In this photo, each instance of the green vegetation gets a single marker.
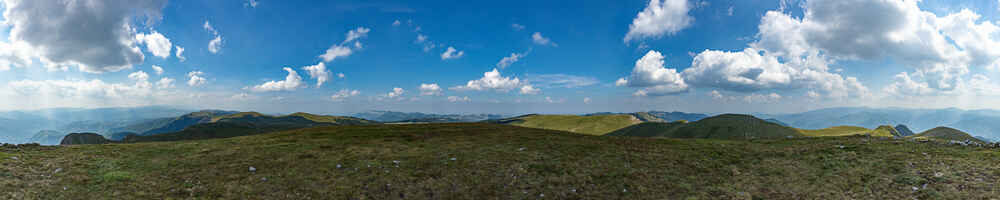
(836, 131)
(248, 123)
(726, 126)
(885, 131)
(649, 129)
(83, 138)
(946, 134)
(590, 125)
(491, 161)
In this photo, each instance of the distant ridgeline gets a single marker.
(416, 117)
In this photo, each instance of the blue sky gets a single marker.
(587, 56)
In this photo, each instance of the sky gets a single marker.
(338, 57)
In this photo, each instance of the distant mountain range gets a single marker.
(19, 126)
(982, 123)
(390, 116)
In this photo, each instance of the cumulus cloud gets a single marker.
(538, 39)
(396, 23)
(660, 18)
(586, 100)
(292, 81)
(196, 78)
(509, 60)
(940, 48)
(429, 89)
(96, 36)
(345, 49)
(396, 92)
(318, 72)
(158, 70)
(459, 99)
(452, 53)
(528, 89)
(355, 34)
(156, 43)
(550, 100)
(215, 44)
(14, 55)
(344, 94)
(653, 77)
(493, 81)
(179, 53)
(165, 83)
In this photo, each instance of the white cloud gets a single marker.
(251, 3)
(528, 89)
(343, 49)
(538, 39)
(179, 53)
(452, 53)
(165, 83)
(729, 12)
(335, 52)
(507, 61)
(429, 89)
(340, 75)
(344, 94)
(14, 55)
(156, 43)
(586, 100)
(96, 36)
(551, 100)
(941, 49)
(493, 81)
(660, 18)
(215, 45)
(560, 80)
(653, 77)
(421, 38)
(517, 27)
(396, 92)
(459, 99)
(715, 94)
(139, 76)
(357, 33)
(158, 70)
(396, 23)
(292, 81)
(196, 78)
(318, 72)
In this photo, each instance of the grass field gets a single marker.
(490, 161)
(590, 125)
(835, 131)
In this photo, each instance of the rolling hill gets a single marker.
(247, 123)
(726, 126)
(947, 134)
(590, 125)
(835, 131)
(186, 120)
(491, 161)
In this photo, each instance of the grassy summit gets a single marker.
(945, 133)
(726, 126)
(491, 161)
(591, 125)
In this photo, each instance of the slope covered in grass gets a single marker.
(945, 133)
(649, 129)
(835, 131)
(490, 161)
(591, 125)
(248, 123)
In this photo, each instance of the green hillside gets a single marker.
(885, 131)
(248, 123)
(649, 129)
(490, 161)
(835, 131)
(946, 134)
(83, 138)
(590, 125)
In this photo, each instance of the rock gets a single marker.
(263, 179)
(453, 159)
(13, 158)
(252, 169)
(521, 149)
(57, 171)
